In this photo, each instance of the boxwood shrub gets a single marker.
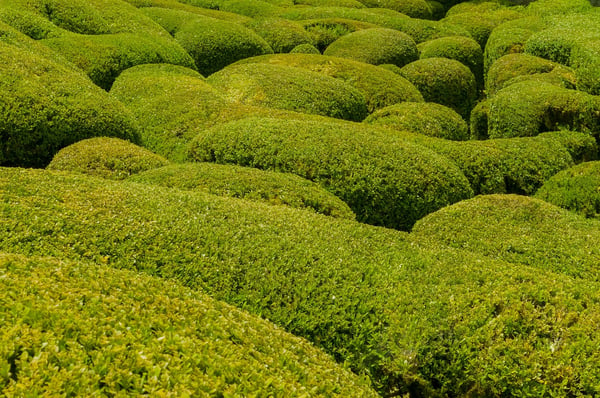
(106, 157)
(82, 329)
(282, 35)
(325, 31)
(375, 46)
(305, 49)
(250, 8)
(413, 8)
(423, 118)
(331, 3)
(417, 319)
(385, 180)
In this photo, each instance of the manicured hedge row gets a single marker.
(247, 183)
(324, 31)
(81, 329)
(425, 322)
(412, 8)
(385, 180)
(282, 35)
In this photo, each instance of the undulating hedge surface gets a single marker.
(289, 88)
(250, 8)
(170, 104)
(416, 320)
(305, 49)
(247, 183)
(282, 35)
(385, 180)
(412, 8)
(47, 104)
(324, 31)
(576, 189)
(375, 46)
(423, 118)
(520, 230)
(380, 87)
(206, 8)
(74, 328)
(106, 157)
(331, 3)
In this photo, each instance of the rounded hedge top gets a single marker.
(375, 46)
(412, 8)
(460, 48)
(286, 87)
(248, 183)
(106, 157)
(423, 118)
(282, 35)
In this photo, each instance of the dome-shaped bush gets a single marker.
(305, 49)
(331, 3)
(250, 8)
(248, 183)
(106, 157)
(444, 81)
(576, 189)
(281, 34)
(286, 87)
(460, 48)
(385, 180)
(412, 8)
(423, 118)
(325, 31)
(375, 46)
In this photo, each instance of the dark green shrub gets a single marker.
(81, 329)
(281, 34)
(375, 46)
(290, 88)
(325, 31)
(576, 189)
(250, 8)
(305, 49)
(412, 8)
(444, 81)
(422, 118)
(170, 104)
(478, 120)
(46, 105)
(248, 183)
(106, 157)
(581, 146)
(385, 180)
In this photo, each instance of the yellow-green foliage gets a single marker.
(248, 183)
(576, 189)
(250, 8)
(520, 230)
(282, 35)
(426, 321)
(412, 8)
(212, 43)
(101, 37)
(331, 3)
(106, 157)
(385, 180)
(198, 8)
(289, 88)
(375, 46)
(305, 49)
(325, 31)
(47, 104)
(380, 87)
(81, 329)
(444, 81)
(170, 104)
(423, 118)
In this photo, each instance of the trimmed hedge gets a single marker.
(281, 34)
(289, 88)
(170, 104)
(444, 81)
(205, 8)
(305, 49)
(385, 180)
(380, 87)
(413, 8)
(415, 320)
(106, 157)
(375, 46)
(248, 183)
(576, 189)
(423, 118)
(81, 329)
(46, 105)
(325, 31)
(250, 8)
(331, 3)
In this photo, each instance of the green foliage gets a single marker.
(412, 8)
(305, 49)
(170, 104)
(248, 183)
(331, 3)
(46, 104)
(325, 31)
(576, 189)
(385, 180)
(200, 7)
(289, 88)
(375, 46)
(281, 34)
(81, 329)
(250, 8)
(422, 118)
(429, 321)
(444, 81)
(106, 157)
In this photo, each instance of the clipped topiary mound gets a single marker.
(46, 105)
(85, 329)
(281, 34)
(576, 189)
(375, 46)
(305, 49)
(325, 31)
(444, 81)
(331, 3)
(380, 87)
(385, 180)
(106, 157)
(248, 183)
(412, 8)
(462, 49)
(294, 89)
(250, 8)
(422, 118)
